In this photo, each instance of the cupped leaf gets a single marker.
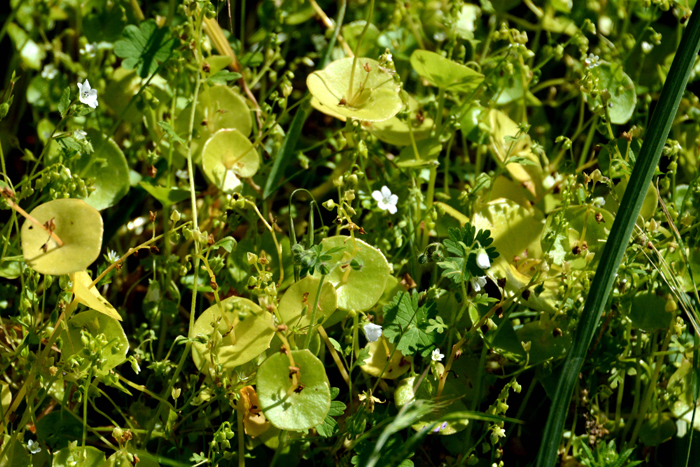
(547, 341)
(79, 227)
(112, 347)
(227, 157)
(73, 455)
(381, 352)
(512, 148)
(91, 297)
(612, 79)
(297, 302)
(515, 230)
(218, 107)
(648, 312)
(584, 231)
(428, 151)
(396, 131)
(238, 332)
(445, 73)
(358, 289)
(288, 409)
(374, 96)
(108, 166)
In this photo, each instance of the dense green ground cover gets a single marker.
(309, 232)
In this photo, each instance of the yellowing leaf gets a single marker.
(254, 421)
(92, 298)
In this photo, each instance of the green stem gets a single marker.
(349, 94)
(312, 323)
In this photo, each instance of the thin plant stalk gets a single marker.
(648, 160)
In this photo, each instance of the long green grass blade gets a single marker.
(650, 153)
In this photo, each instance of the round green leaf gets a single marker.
(296, 303)
(14, 453)
(445, 73)
(546, 341)
(73, 455)
(649, 205)
(251, 335)
(657, 428)
(396, 131)
(573, 244)
(374, 96)
(649, 314)
(218, 107)
(379, 353)
(96, 323)
(358, 290)
(623, 96)
(300, 410)
(515, 230)
(79, 227)
(454, 391)
(108, 166)
(227, 157)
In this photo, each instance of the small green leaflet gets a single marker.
(64, 103)
(329, 427)
(462, 246)
(167, 128)
(143, 47)
(406, 324)
(223, 77)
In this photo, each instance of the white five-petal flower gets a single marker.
(88, 96)
(477, 283)
(482, 260)
(49, 72)
(372, 331)
(437, 356)
(33, 446)
(385, 200)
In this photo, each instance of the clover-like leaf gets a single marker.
(144, 46)
(445, 73)
(374, 96)
(227, 157)
(79, 227)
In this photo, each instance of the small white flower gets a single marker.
(372, 331)
(49, 72)
(89, 50)
(646, 47)
(599, 201)
(33, 446)
(88, 96)
(385, 200)
(482, 260)
(184, 174)
(437, 356)
(477, 283)
(79, 135)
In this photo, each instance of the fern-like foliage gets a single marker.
(462, 246)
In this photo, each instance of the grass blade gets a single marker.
(657, 133)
